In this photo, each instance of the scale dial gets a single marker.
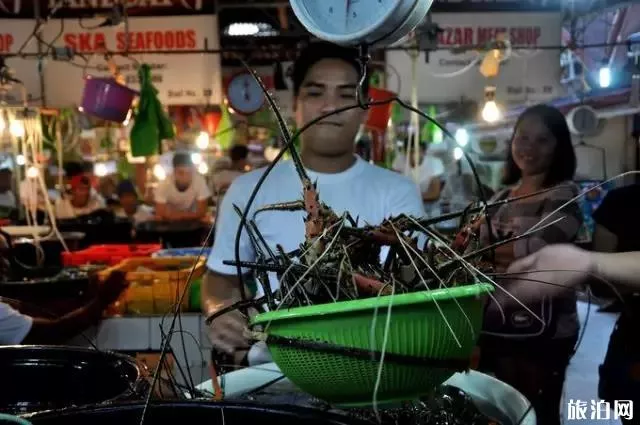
(244, 94)
(353, 22)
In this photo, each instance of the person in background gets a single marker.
(17, 328)
(80, 200)
(428, 173)
(528, 355)
(107, 188)
(239, 165)
(184, 195)
(7, 197)
(130, 206)
(571, 267)
(325, 78)
(616, 230)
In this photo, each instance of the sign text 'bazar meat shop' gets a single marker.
(521, 36)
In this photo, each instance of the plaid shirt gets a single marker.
(518, 217)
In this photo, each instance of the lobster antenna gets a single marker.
(295, 156)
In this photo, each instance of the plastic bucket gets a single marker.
(106, 99)
(379, 115)
(40, 377)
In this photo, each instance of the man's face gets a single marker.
(329, 84)
(129, 202)
(81, 194)
(183, 175)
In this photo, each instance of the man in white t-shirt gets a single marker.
(81, 199)
(325, 78)
(17, 328)
(184, 195)
(223, 178)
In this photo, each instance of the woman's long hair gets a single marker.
(563, 165)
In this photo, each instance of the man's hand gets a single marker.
(110, 290)
(568, 267)
(227, 332)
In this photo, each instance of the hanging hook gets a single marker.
(363, 58)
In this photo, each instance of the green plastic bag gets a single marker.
(151, 123)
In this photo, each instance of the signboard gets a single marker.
(27, 9)
(531, 74)
(180, 78)
(467, 6)
(13, 33)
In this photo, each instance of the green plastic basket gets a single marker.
(417, 329)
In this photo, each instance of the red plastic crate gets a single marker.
(109, 255)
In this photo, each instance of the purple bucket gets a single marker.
(106, 99)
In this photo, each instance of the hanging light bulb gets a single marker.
(604, 76)
(100, 170)
(490, 112)
(458, 153)
(32, 172)
(159, 172)
(16, 128)
(462, 136)
(196, 158)
(203, 168)
(202, 141)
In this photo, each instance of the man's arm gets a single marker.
(433, 192)
(622, 267)
(221, 287)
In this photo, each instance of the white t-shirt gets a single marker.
(64, 209)
(366, 191)
(168, 193)
(14, 326)
(430, 168)
(142, 214)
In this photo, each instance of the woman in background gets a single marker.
(519, 349)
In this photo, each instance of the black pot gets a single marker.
(50, 296)
(193, 412)
(172, 234)
(43, 377)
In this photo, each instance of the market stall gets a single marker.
(119, 147)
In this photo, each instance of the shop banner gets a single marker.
(28, 9)
(467, 6)
(13, 34)
(526, 75)
(180, 78)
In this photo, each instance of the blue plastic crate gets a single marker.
(181, 252)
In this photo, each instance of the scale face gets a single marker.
(244, 94)
(353, 22)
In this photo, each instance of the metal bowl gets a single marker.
(45, 377)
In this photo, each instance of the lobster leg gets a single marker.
(282, 206)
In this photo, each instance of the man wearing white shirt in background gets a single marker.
(428, 175)
(183, 195)
(325, 78)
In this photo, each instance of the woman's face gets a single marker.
(533, 147)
